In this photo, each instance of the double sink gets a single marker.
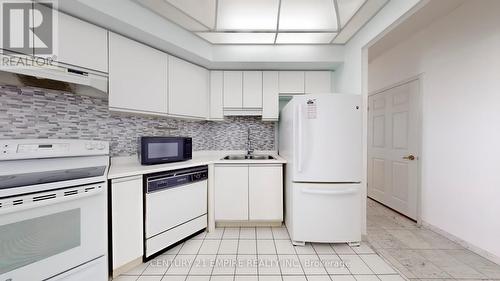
(249, 157)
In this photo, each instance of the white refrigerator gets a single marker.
(320, 136)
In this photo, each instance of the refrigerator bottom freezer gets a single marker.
(324, 212)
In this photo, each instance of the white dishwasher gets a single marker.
(175, 207)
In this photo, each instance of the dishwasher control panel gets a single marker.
(171, 179)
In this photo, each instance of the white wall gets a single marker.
(459, 57)
(348, 77)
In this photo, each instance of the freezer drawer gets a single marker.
(326, 213)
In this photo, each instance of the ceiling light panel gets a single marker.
(365, 14)
(173, 14)
(347, 8)
(247, 15)
(304, 38)
(202, 11)
(238, 37)
(314, 15)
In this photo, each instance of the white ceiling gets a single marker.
(268, 21)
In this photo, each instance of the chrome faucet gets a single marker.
(249, 144)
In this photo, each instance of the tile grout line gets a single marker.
(277, 255)
(195, 257)
(326, 270)
(217, 254)
(170, 265)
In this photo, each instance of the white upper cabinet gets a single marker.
(82, 44)
(270, 94)
(318, 82)
(216, 100)
(252, 89)
(233, 89)
(79, 43)
(291, 82)
(137, 77)
(187, 89)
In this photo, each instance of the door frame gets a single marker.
(419, 108)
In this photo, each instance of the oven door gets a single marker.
(158, 150)
(48, 233)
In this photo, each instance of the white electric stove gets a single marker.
(53, 209)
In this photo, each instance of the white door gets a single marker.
(327, 138)
(393, 142)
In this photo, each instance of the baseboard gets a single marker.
(126, 267)
(483, 253)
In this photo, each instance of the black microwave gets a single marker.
(158, 150)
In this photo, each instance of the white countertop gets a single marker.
(126, 166)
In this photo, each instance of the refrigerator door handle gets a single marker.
(299, 138)
(329, 191)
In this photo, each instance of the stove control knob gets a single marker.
(89, 146)
(101, 146)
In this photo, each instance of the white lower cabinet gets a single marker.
(265, 192)
(126, 221)
(252, 192)
(231, 192)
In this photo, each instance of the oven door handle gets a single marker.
(60, 197)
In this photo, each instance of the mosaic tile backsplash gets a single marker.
(27, 112)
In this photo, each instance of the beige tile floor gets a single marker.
(419, 253)
(395, 250)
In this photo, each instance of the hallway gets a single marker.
(420, 253)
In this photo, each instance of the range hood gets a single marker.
(56, 76)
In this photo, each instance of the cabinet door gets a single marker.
(252, 89)
(216, 96)
(137, 76)
(233, 89)
(187, 89)
(231, 192)
(318, 82)
(265, 192)
(82, 44)
(127, 220)
(292, 82)
(270, 93)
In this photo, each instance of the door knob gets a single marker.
(409, 157)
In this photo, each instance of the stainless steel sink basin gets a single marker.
(248, 157)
